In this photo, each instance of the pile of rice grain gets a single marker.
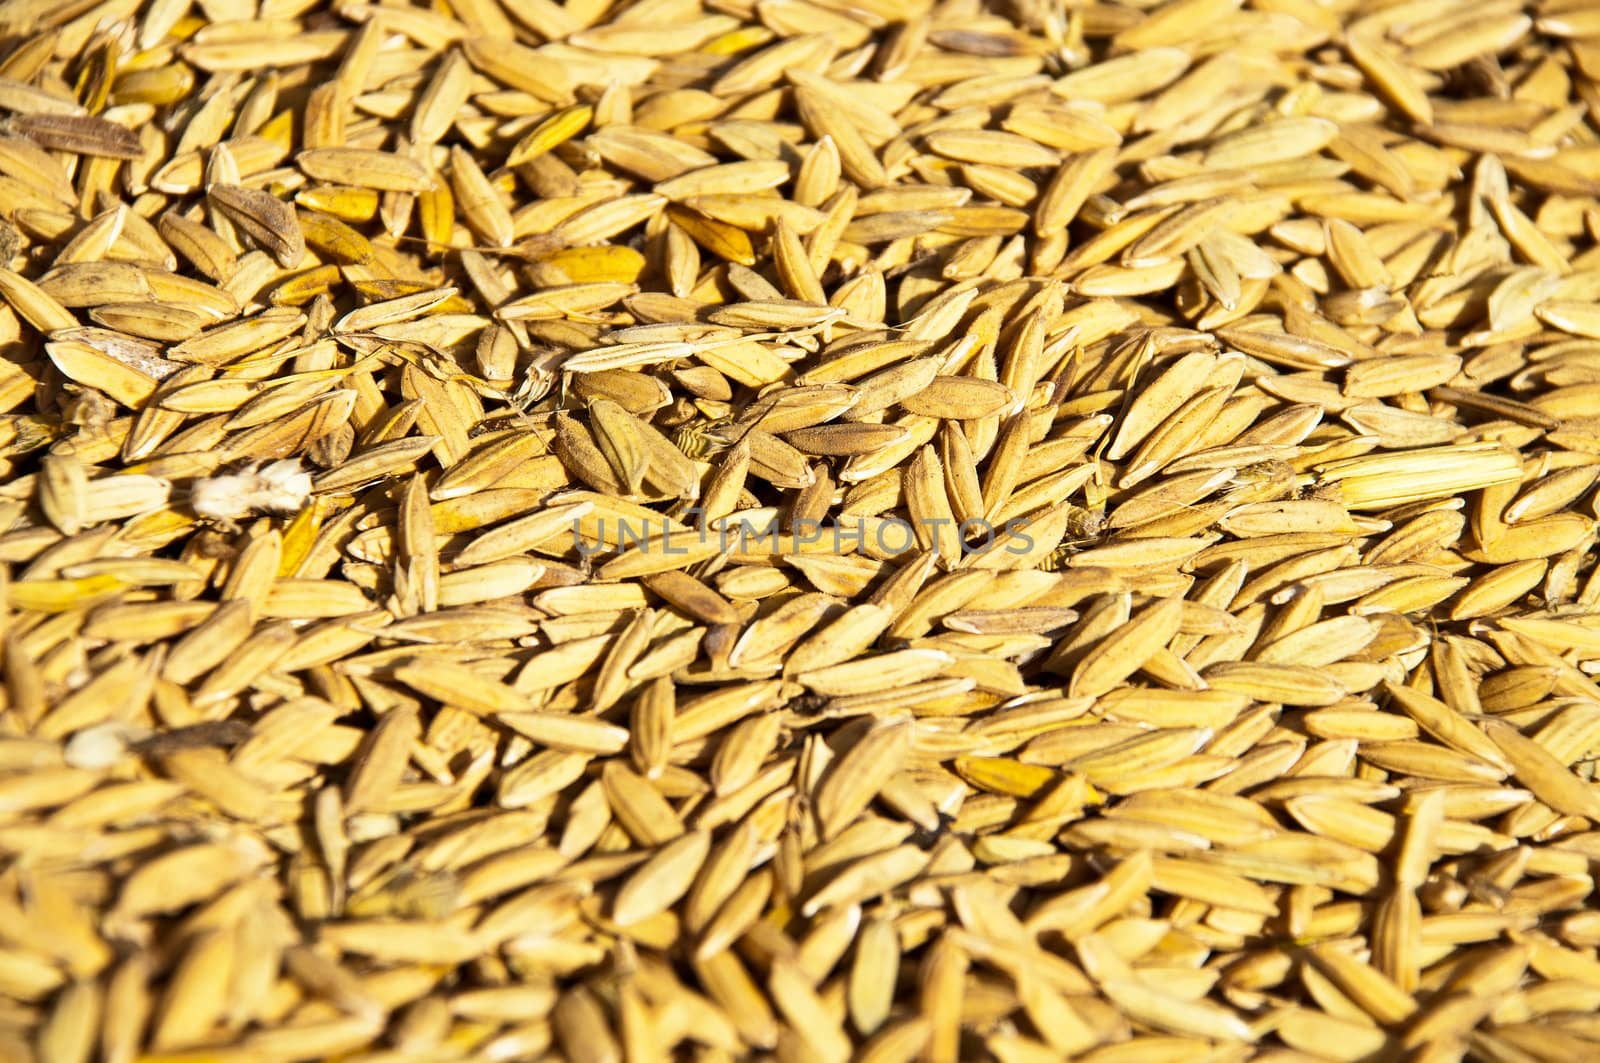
(357, 358)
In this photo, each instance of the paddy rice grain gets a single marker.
(798, 530)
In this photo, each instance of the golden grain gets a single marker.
(898, 531)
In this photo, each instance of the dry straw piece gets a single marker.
(799, 529)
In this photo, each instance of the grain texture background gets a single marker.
(341, 345)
